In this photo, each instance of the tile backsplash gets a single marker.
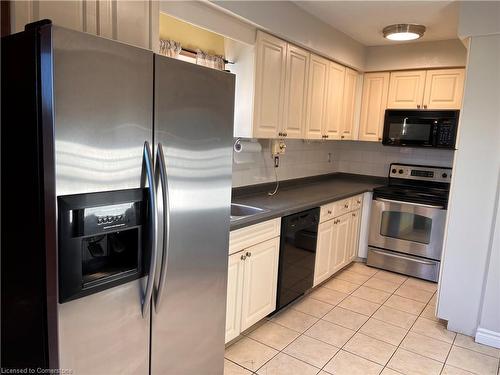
(310, 158)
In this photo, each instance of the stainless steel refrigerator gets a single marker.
(125, 161)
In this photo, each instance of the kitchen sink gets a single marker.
(240, 211)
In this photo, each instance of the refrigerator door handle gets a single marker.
(148, 163)
(161, 175)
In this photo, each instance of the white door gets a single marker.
(269, 86)
(444, 89)
(354, 225)
(316, 97)
(340, 242)
(234, 295)
(336, 76)
(406, 89)
(373, 105)
(323, 246)
(259, 282)
(348, 105)
(297, 65)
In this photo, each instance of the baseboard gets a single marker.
(487, 337)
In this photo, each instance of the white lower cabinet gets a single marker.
(251, 286)
(338, 240)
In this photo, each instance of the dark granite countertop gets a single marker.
(300, 194)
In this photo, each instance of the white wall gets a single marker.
(474, 190)
(478, 18)
(287, 20)
(438, 54)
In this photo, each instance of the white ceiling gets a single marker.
(364, 20)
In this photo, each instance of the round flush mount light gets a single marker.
(403, 31)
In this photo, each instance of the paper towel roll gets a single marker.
(247, 146)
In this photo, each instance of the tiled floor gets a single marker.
(363, 321)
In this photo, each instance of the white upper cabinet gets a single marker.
(269, 86)
(336, 76)
(406, 89)
(349, 104)
(297, 65)
(316, 97)
(132, 22)
(373, 105)
(444, 89)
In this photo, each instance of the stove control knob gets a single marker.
(400, 171)
(394, 170)
(444, 175)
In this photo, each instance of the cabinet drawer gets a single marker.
(356, 202)
(341, 207)
(326, 212)
(245, 237)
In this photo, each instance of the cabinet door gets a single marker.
(269, 86)
(406, 89)
(340, 242)
(336, 76)
(323, 246)
(234, 295)
(297, 65)
(316, 97)
(259, 282)
(349, 103)
(444, 89)
(354, 224)
(373, 105)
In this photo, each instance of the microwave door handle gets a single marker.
(148, 164)
(409, 203)
(161, 175)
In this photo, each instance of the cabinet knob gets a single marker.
(243, 257)
(379, 138)
(353, 215)
(342, 137)
(418, 105)
(329, 212)
(425, 106)
(248, 254)
(346, 205)
(326, 136)
(359, 202)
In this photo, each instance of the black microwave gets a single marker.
(420, 128)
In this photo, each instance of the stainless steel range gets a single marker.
(408, 219)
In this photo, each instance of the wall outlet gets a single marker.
(278, 147)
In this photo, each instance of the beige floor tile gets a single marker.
(312, 351)
(312, 307)
(410, 363)
(283, 364)
(372, 295)
(388, 371)
(468, 342)
(421, 284)
(370, 348)
(395, 317)
(274, 335)
(414, 293)
(333, 297)
(472, 361)
(450, 370)
(359, 305)
(385, 286)
(433, 300)
(430, 313)
(231, 368)
(352, 277)
(250, 353)
(330, 333)
(293, 319)
(426, 346)
(405, 304)
(345, 363)
(433, 329)
(346, 318)
(362, 268)
(390, 276)
(383, 331)
(341, 285)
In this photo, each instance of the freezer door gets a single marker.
(194, 109)
(103, 104)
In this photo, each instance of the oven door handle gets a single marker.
(413, 259)
(409, 203)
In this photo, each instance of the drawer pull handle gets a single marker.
(329, 212)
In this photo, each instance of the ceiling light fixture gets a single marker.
(403, 31)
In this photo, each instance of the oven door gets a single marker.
(406, 227)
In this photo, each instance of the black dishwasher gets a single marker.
(299, 233)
